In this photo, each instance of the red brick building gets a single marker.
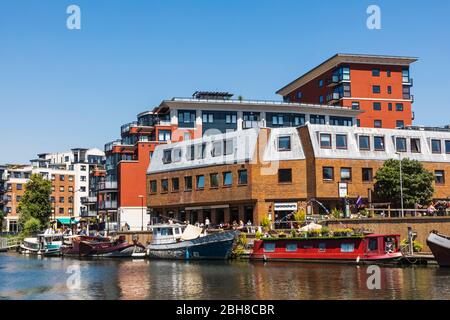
(378, 85)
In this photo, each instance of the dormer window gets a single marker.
(341, 141)
(364, 143)
(415, 145)
(400, 144)
(167, 156)
(284, 143)
(436, 146)
(325, 141)
(378, 143)
(216, 149)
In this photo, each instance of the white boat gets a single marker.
(43, 244)
(177, 241)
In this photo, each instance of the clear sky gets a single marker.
(63, 88)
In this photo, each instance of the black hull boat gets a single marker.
(190, 245)
(440, 247)
(111, 249)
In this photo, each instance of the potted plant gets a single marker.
(325, 231)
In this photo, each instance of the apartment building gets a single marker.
(262, 172)
(123, 192)
(378, 85)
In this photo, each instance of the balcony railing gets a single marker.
(85, 200)
(126, 127)
(247, 124)
(335, 96)
(108, 204)
(408, 82)
(110, 146)
(107, 185)
(88, 214)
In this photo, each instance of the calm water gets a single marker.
(23, 277)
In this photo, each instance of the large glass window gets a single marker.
(436, 146)
(177, 152)
(325, 140)
(230, 118)
(364, 143)
(405, 75)
(216, 150)
(228, 146)
(207, 117)
(400, 144)
(341, 141)
(347, 247)
(186, 117)
(284, 143)
(164, 135)
(341, 121)
(316, 119)
(284, 175)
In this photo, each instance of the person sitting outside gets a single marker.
(431, 209)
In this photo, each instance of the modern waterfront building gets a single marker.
(69, 173)
(378, 85)
(123, 192)
(262, 172)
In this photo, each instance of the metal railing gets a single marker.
(247, 124)
(107, 185)
(108, 204)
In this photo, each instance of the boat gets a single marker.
(440, 247)
(365, 248)
(44, 244)
(71, 245)
(111, 249)
(188, 242)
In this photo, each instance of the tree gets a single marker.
(35, 202)
(417, 183)
(2, 216)
(31, 226)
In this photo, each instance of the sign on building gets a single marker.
(343, 189)
(285, 206)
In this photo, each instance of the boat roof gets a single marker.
(50, 235)
(167, 225)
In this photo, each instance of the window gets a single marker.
(322, 247)
(70, 199)
(299, 95)
(375, 72)
(208, 118)
(200, 182)
(320, 83)
(177, 152)
(175, 184)
(227, 179)
(321, 99)
(316, 119)
(83, 168)
(341, 121)
(388, 73)
(61, 210)
(400, 124)
(436, 146)
(373, 244)
(18, 198)
(196, 151)
(346, 174)
(341, 141)
(355, 105)
(83, 178)
(439, 176)
(61, 199)
(328, 173)
(291, 247)
(187, 183)
(405, 75)
(278, 120)
(242, 177)
(358, 123)
(70, 189)
(389, 90)
(376, 89)
(367, 174)
(377, 123)
(186, 116)
(230, 118)
(364, 143)
(19, 186)
(61, 189)
(378, 143)
(52, 199)
(167, 156)
(415, 145)
(82, 189)
(347, 247)
(400, 144)
(399, 106)
(325, 140)
(214, 180)
(390, 106)
(70, 178)
(269, 247)
(377, 106)
(164, 135)
(53, 177)
(284, 143)
(284, 175)
(164, 185)
(447, 146)
(299, 120)
(216, 150)
(228, 146)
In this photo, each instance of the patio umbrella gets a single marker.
(312, 226)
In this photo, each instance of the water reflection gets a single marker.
(23, 277)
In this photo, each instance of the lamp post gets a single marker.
(142, 215)
(401, 184)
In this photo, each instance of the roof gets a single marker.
(340, 58)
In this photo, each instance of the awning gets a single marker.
(67, 220)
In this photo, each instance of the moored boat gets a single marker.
(71, 245)
(110, 249)
(372, 248)
(180, 242)
(43, 244)
(440, 247)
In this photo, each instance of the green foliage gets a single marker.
(342, 232)
(258, 235)
(417, 183)
(365, 213)
(35, 202)
(293, 233)
(336, 213)
(300, 215)
(31, 226)
(265, 223)
(313, 233)
(417, 246)
(242, 240)
(325, 231)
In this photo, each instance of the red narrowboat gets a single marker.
(372, 248)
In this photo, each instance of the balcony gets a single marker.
(107, 185)
(408, 82)
(407, 96)
(333, 81)
(88, 200)
(110, 146)
(88, 214)
(112, 204)
(333, 97)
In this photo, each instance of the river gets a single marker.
(24, 277)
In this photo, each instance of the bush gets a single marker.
(337, 214)
(265, 223)
(242, 240)
(417, 246)
(258, 235)
(31, 226)
(300, 215)
(325, 231)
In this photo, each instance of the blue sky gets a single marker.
(63, 88)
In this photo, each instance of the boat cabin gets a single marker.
(167, 233)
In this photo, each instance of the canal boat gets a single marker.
(181, 242)
(440, 247)
(371, 248)
(44, 244)
(71, 245)
(111, 249)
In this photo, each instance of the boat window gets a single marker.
(164, 232)
(269, 247)
(170, 231)
(177, 230)
(291, 247)
(373, 244)
(347, 247)
(322, 247)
